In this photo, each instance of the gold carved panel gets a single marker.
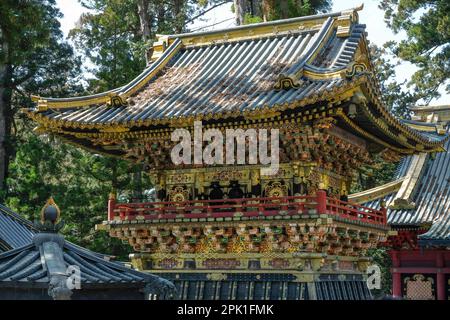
(180, 178)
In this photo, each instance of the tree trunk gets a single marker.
(284, 9)
(255, 8)
(179, 14)
(268, 9)
(239, 11)
(145, 26)
(5, 119)
(137, 185)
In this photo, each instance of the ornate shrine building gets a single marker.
(228, 231)
(418, 204)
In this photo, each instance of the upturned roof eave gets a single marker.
(422, 140)
(301, 70)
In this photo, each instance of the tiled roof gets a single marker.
(15, 231)
(32, 258)
(42, 263)
(228, 76)
(432, 195)
(278, 68)
(268, 286)
(25, 265)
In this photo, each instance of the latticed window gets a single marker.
(419, 287)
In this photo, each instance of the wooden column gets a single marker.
(321, 201)
(111, 206)
(440, 276)
(396, 275)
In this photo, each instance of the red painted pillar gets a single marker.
(396, 284)
(321, 201)
(396, 276)
(440, 277)
(111, 206)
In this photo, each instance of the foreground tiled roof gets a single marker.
(15, 231)
(25, 265)
(33, 257)
(44, 263)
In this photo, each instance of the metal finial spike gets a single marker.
(360, 7)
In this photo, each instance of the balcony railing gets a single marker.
(246, 207)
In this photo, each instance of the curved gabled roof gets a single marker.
(25, 265)
(428, 203)
(47, 255)
(220, 79)
(245, 72)
(24, 261)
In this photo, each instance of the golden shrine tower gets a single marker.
(228, 231)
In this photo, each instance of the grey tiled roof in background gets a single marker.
(431, 197)
(15, 231)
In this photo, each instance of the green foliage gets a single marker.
(41, 62)
(109, 37)
(249, 19)
(292, 8)
(255, 11)
(80, 183)
(371, 176)
(427, 46)
(33, 59)
(395, 96)
(381, 257)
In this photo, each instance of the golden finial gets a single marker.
(50, 212)
(112, 195)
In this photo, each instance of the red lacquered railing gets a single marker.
(246, 207)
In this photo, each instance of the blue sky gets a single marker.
(222, 17)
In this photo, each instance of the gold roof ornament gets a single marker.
(50, 217)
(50, 211)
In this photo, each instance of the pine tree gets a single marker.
(427, 43)
(251, 11)
(32, 55)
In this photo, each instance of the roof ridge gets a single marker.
(376, 193)
(267, 23)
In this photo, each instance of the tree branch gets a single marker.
(206, 11)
